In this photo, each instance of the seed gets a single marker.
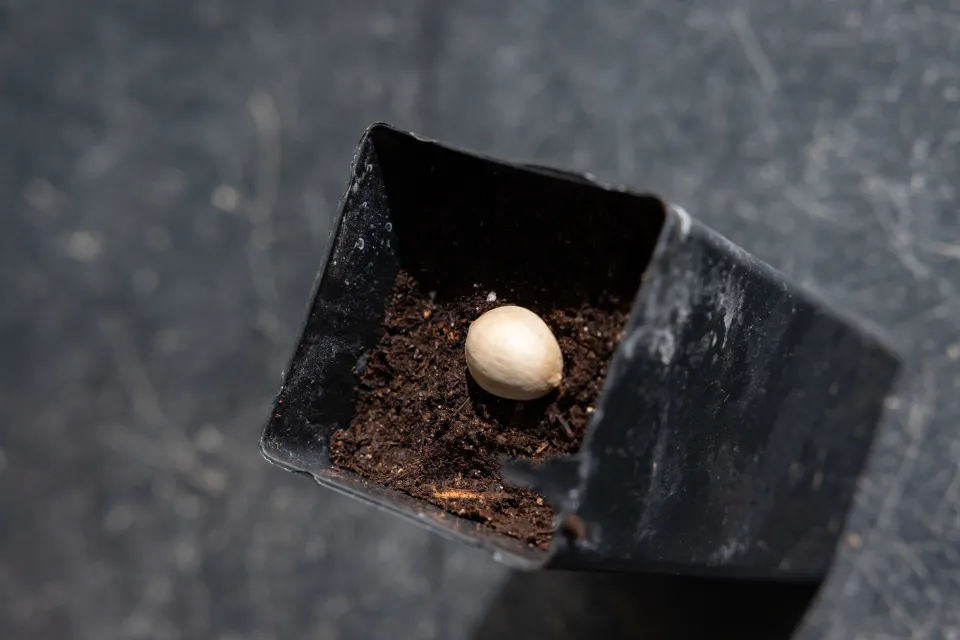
(512, 353)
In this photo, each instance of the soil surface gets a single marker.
(424, 427)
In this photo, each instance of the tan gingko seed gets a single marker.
(512, 353)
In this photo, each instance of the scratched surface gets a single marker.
(168, 170)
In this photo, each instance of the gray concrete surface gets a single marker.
(168, 170)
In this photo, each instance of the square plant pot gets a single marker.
(718, 429)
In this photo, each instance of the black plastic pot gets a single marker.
(736, 413)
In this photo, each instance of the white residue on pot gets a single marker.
(684, 218)
(660, 343)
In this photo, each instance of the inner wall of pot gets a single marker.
(462, 221)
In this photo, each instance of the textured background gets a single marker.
(168, 172)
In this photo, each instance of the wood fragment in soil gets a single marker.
(566, 427)
(460, 494)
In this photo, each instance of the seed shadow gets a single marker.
(507, 412)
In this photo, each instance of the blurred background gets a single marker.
(169, 170)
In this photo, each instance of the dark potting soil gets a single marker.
(422, 426)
